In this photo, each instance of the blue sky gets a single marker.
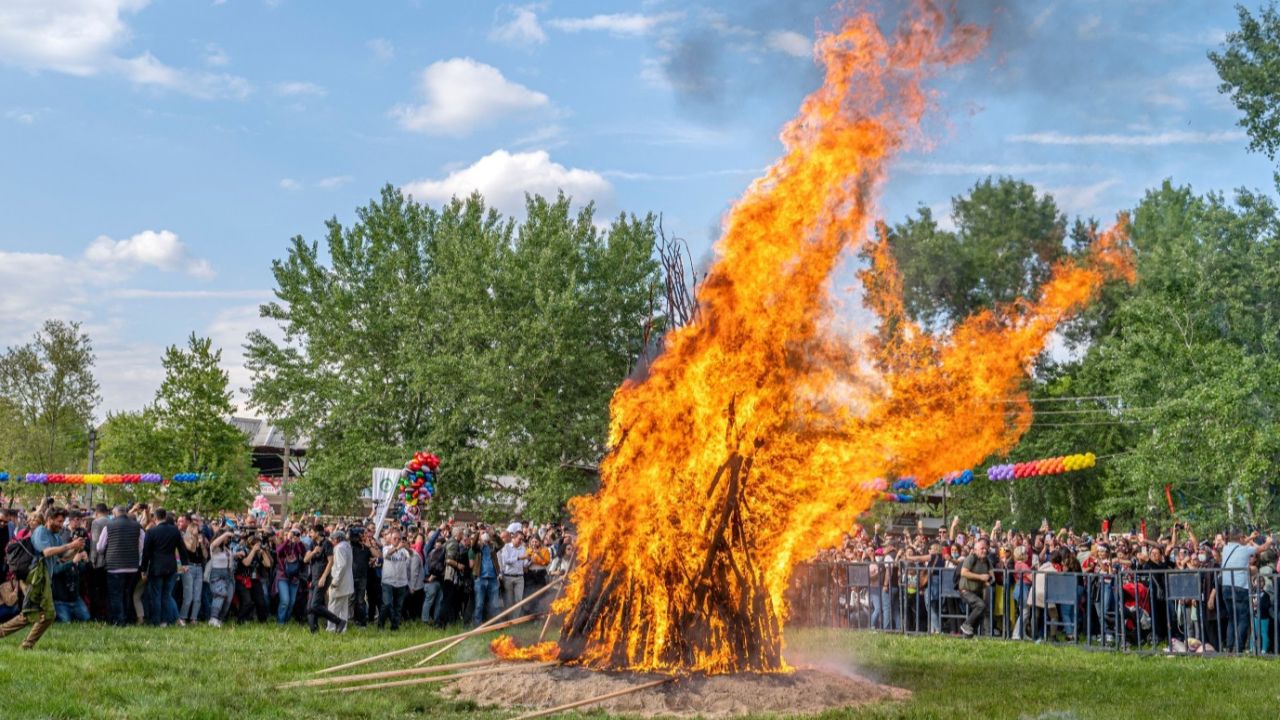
(159, 154)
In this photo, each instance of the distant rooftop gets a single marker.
(263, 434)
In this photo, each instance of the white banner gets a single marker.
(383, 490)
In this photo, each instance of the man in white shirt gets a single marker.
(512, 561)
(396, 565)
(1236, 555)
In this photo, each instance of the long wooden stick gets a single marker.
(520, 604)
(490, 624)
(432, 679)
(386, 674)
(547, 623)
(425, 645)
(594, 700)
(482, 630)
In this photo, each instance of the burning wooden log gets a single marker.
(725, 618)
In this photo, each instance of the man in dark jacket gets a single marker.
(160, 569)
(97, 571)
(121, 548)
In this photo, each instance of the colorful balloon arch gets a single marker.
(105, 478)
(899, 491)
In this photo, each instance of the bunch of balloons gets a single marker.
(904, 484)
(418, 481)
(896, 497)
(1037, 468)
(957, 477)
(875, 485)
(261, 508)
(103, 479)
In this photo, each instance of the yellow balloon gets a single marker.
(1090, 459)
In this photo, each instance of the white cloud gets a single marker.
(941, 213)
(147, 70)
(300, 89)
(22, 115)
(547, 136)
(917, 167)
(229, 331)
(83, 38)
(381, 48)
(89, 288)
(160, 249)
(521, 27)
(69, 36)
(1088, 27)
(630, 24)
(462, 94)
(215, 56)
(333, 183)
(290, 184)
(791, 43)
(1173, 137)
(33, 292)
(504, 178)
(1081, 199)
(146, 294)
(679, 177)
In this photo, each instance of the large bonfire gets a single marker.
(740, 451)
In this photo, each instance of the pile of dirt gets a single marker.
(804, 691)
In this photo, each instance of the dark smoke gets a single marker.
(718, 61)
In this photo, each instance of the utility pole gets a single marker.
(93, 449)
(284, 482)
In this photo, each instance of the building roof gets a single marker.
(263, 434)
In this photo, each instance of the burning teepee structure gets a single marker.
(736, 455)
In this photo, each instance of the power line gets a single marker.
(1099, 422)
(1060, 399)
(1085, 411)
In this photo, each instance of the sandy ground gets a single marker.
(807, 690)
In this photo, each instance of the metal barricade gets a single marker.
(1152, 610)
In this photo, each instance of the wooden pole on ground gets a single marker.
(594, 700)
(432, 679)
(547, 622)
(433, 643)
(486, 627)
(482, 630)
(386, 674)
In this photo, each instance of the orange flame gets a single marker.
(738, 455)
(504, 646)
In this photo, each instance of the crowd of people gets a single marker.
(1173, 589)
(135, 564)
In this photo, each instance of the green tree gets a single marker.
(1249, 66)
(186, 429)
(492, 342)
(1006, 240)
(133, 442)
(47, 398)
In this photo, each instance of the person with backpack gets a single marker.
(974, 578)
(38, 584)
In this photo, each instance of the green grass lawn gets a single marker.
(97, 672)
